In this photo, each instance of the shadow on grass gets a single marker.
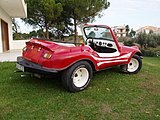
(54, 82)
(49, 82)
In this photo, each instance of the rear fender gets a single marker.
(93, 65)
(63, 62)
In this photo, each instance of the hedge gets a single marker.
(151, 52)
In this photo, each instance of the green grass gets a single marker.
(111, 96)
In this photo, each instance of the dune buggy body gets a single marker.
(77, 63)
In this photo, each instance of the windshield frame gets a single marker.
(100, 38)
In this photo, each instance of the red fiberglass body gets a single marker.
(63, 56)
(101, 50)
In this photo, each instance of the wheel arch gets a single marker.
(139, 54)
(75, 82)
(135, 53)
(89, 61)
(92, 64)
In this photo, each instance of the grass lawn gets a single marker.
(111, 96)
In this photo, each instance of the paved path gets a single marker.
(10, 56)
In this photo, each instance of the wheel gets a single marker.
(77, 77)
(134, 66)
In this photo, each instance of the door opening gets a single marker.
(5, 37)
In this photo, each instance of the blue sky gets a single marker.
(135, 13)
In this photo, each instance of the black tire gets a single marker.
(70, 75)
(129, 69)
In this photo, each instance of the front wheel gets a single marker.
(134, 66)
(77, 77)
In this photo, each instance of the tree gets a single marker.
(127, 30)
(148, 40)
(42, 12)
(132, 33)
(15, 28)
(151, 32)
(40, 33)
(15, 25)
(33, 33)
(83, 11)
(141, 39)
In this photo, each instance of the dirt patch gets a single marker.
(105, 109)
(85, 101)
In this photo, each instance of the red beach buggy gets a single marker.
(77, 63)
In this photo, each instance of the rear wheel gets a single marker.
(77, 77)
(133, 66)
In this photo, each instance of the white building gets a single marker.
(148, 29)
(10, 9)
(120, 31)
(157, 31)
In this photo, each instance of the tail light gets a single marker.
(47, 55)
(39, 49)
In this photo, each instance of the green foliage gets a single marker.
(20, 36)
(148, 40)
(42, 12)
(57, 15)
(132, 33)
(149, 43)
(25, 36)
(151, 52)
(121, 39)
(82, 11)
(141, 39)
(129, 42)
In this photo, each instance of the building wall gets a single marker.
(18, 44)
(5, 17)
(157, 32)
(1, 49)
(13, 44)
(147, 29)
(120, 31)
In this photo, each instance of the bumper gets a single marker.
(27, 66)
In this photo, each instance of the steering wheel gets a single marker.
(88, 41)
(91, 43)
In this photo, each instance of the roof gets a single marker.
(14, 8)
(147, 28)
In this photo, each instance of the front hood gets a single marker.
(129, 49)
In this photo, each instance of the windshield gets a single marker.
(98, 33)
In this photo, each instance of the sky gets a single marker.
(135, 13)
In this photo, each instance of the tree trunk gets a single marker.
(46, 26)
(15, 25)
(75, 29)
(47, 33)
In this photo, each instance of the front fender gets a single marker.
(135, 53)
